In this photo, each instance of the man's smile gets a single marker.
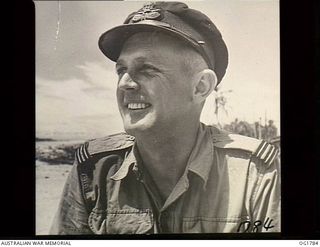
(135, 102)
(138, 106)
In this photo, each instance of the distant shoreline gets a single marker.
(39, 139)
(44, 139)
(56, 152)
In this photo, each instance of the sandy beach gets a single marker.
(50, 180)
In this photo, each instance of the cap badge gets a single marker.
(148, 12)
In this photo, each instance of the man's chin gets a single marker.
(137, 128)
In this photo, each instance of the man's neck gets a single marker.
(165, 154)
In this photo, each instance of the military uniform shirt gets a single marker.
(231, 184)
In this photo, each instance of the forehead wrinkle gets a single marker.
(123, 60)
(137, 62)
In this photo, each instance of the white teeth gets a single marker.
(135, 106)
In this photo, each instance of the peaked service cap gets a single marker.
(174, 18)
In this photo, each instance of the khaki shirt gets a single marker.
(231, 184)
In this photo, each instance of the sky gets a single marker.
(76, 83)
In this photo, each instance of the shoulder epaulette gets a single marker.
(259, 149)
(102, 145)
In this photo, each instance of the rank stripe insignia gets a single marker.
(269, 153)
(82, 154)
(78, 156)
(261, 149)
(85, 152)
(266, 151)
(273, 155)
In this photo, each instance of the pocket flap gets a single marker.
(121, 221)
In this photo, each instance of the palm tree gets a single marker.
(221, 103)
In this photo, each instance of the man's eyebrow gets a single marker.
(137, 61)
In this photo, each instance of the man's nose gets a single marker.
(127, 83)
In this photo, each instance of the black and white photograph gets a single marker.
(157, 117)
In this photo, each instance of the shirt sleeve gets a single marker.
(71, 217)
(266, 199)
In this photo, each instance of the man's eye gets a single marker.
(121, 71)
(148, 71)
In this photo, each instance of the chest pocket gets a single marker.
(121, 221)
(211, 225)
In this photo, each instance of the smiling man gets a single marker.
(169, 173)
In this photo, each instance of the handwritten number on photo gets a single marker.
(247, 225)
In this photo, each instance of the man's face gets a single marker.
(154, 90)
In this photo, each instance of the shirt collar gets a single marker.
(129, 160)
(200, 160)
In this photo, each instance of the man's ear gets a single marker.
(205, 84)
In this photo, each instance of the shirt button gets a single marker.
(164, 214)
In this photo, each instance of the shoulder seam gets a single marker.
(97, 146)
(257, 148)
